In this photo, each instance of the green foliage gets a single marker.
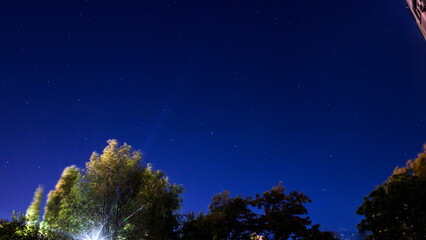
(33, 211)
(278, 216)
(113, 186)
(18, 229)
(62, 191)
(397, 208)
(119, 197)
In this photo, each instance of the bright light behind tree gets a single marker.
(95, 234)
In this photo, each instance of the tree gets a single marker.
(62, 190)
(99, 199)
(18, 228)
(33, 211)
(397, 208)
(230, 218)
(284, 215)
(279, 216)
(195, 227)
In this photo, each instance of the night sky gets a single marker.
(327, 96)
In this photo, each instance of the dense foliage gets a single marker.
(33, 211)
(19, 228)
(397, 208)
(273, 214)
(117, 196)
(96, 201)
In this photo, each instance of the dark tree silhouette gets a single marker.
(397, 208)
(278, 216)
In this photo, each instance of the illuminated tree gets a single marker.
(62, 190)
(33, 211)
(113, 186)
(397, 208)
(18, 228)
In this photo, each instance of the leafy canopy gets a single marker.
(100, 198)
(397, 208)
(33, 211)
(19, 228)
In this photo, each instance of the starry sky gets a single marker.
(326, 96)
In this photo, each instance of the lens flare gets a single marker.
(132, 214)
(95, 234)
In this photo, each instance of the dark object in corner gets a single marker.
(418, 8)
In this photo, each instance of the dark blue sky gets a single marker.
(327, 96)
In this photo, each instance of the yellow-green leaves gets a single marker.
(33, 211)
(63, 187)
(112, 187)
